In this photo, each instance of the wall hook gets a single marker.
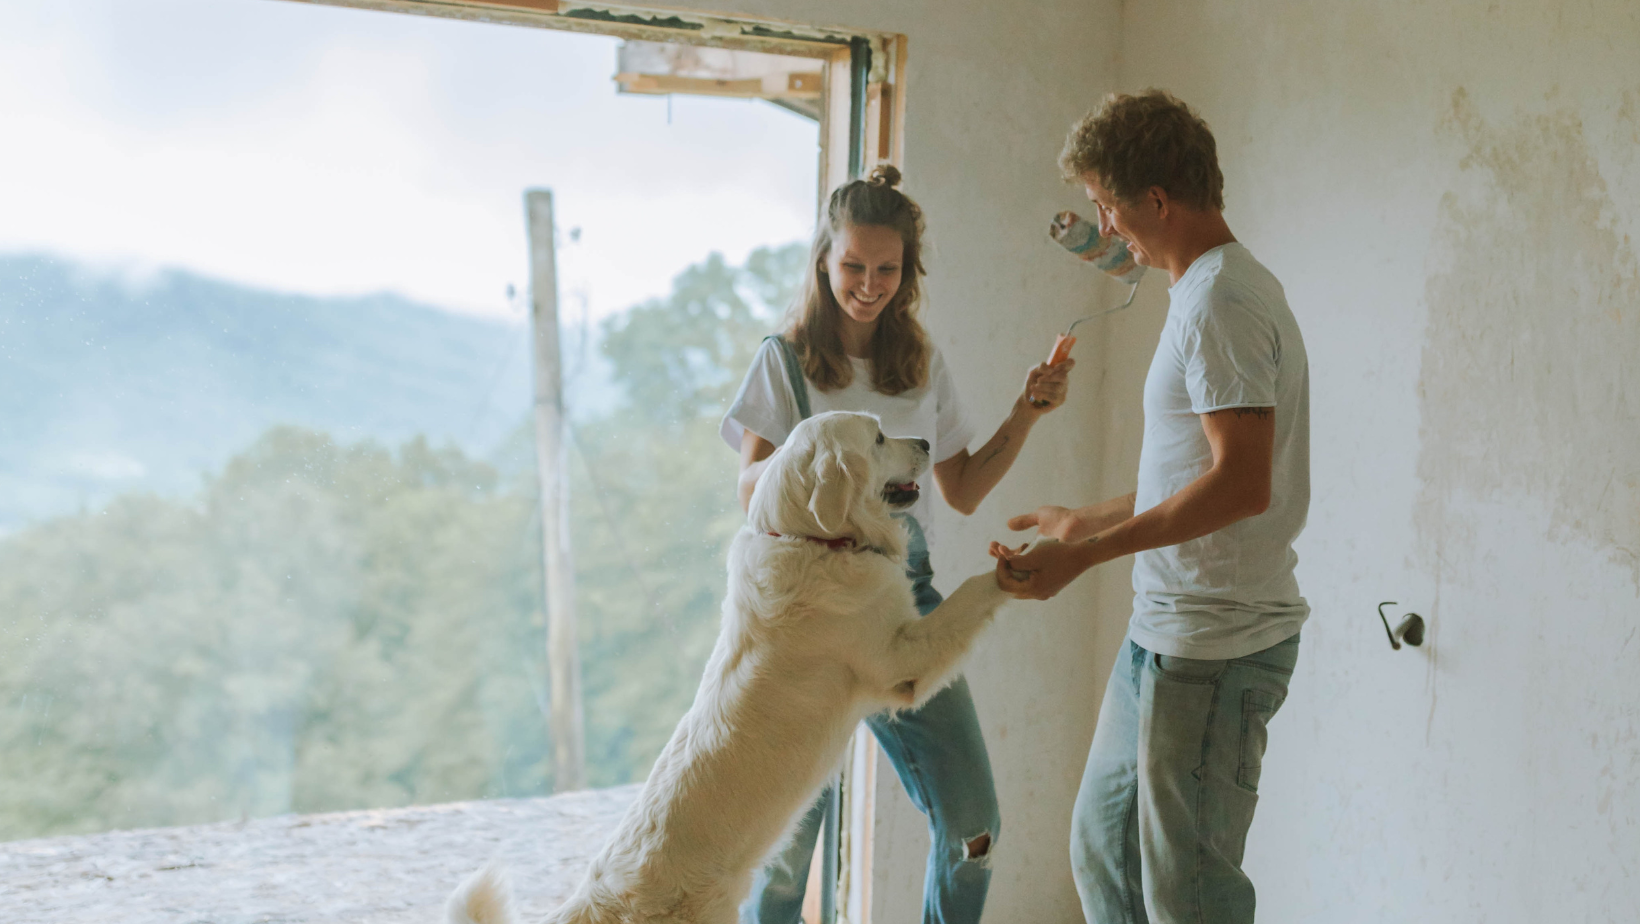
(1411, 628)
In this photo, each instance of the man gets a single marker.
(1223, 490)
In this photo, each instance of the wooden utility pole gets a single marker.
(551, 458)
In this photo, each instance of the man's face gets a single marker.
(1139, 223)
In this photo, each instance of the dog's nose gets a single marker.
(922, 444)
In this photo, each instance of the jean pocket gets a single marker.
(1188, 670)
(1257, 706)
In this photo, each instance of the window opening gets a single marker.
(277, 472)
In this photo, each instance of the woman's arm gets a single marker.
(754, 458)
(966, 478)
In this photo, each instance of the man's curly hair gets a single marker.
(1135, 141)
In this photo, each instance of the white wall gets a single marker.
(991, 90)
(1450, 193)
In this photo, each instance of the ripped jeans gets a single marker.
(941, 759)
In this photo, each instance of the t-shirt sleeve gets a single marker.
(1231, 353)
(952, 430)
(764, 404)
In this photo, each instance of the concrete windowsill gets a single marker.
(378, 866)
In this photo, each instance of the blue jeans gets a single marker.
(1170, 786)
(940, 756)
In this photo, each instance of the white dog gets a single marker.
(819, 631)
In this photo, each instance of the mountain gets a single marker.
(109, 386)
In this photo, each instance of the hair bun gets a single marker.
(884, 175)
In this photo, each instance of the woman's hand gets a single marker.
(1046, 386)
(1054, 522)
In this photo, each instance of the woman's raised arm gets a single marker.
(966, 478)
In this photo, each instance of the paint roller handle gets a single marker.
(1062, 344)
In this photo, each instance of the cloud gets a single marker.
(337, 151)
(106, 466)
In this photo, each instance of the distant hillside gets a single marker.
(106, 386)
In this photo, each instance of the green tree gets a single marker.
(653, 504)
(329, 625)
(681, 357)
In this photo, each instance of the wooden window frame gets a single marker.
(862, 125)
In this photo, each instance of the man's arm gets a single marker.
(1236, 486)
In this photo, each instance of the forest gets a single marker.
(332, 618)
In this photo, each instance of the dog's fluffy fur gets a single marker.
(813, 640)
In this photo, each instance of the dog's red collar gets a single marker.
(842, 542)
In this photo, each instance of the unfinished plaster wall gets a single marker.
(1451, 195)
(991, 90)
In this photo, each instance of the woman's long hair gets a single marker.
(899, 347)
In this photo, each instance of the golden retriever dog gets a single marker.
(819, 631)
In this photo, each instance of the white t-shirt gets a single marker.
(766, 406)
(1229, 341)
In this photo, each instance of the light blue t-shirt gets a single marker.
(1230, 341)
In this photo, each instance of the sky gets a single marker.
(331, 151)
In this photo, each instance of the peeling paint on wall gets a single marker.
(1526, 388)
(1463, 268)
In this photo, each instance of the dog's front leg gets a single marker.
(924, 653)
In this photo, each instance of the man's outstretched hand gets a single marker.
(1052, 522)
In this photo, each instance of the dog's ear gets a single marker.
(840, 481)
(785, 486)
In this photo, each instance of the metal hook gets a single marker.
(1411, 628)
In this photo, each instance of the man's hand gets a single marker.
(1053, 522)
(1043, 571)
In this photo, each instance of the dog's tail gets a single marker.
(483, 898)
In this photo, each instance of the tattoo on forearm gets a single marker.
(1262, 413)
(995, 452)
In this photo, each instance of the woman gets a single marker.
(854, 342)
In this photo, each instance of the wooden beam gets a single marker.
(896, 143)
(807, 84)
(859, 816)
(696, 86)
(834, 126)
(565, 721)
(544, 6)
(884, 118)
(878, 104)
(777, 86)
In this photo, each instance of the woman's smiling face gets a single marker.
(863, 268)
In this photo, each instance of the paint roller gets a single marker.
(1108, 253)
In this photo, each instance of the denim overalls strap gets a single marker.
(794, 375)
(918, 567)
